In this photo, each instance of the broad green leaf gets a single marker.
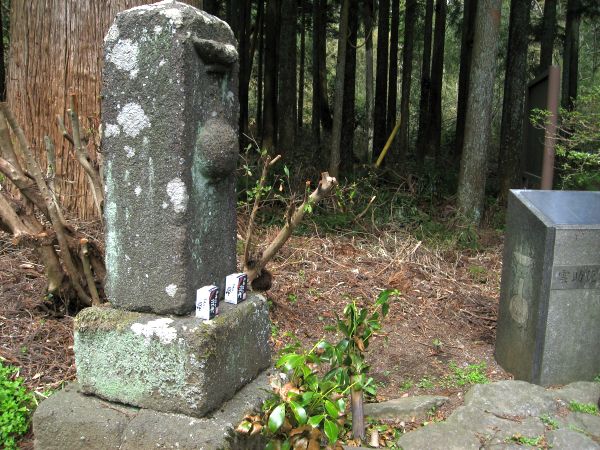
(332, 409)
(286, 445)
(314, 421)
(276, 418)
(341, 403)
(290, 361)
(307, 397)
(385, 308)
(299, 412)
(286, 171)
(331, 431)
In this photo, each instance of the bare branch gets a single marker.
(326, 185)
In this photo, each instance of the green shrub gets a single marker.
(16, 404)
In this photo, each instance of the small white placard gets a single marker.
(207, 302)
(235, 288)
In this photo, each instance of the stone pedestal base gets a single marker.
(169, 363)
(71, 420)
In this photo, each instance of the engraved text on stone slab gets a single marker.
(575, 277)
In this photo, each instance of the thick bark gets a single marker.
(270, 75)
(287, 107)
(466, 51)
(302, 65)
(548, 34)
(433, 137)
(336, 133)
(56, 49)
(571, 55)
(473, 167)
(515, 84)
(393, 69)
(410, 16)
(368, 25)
(348, 119)
(379, 113)
(425, 82)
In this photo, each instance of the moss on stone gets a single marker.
(104, 319)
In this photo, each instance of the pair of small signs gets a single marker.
(207, 297)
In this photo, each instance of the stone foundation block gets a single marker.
(74, 421)
(171, 364)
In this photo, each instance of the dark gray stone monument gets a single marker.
(170, 112)
(549, 318)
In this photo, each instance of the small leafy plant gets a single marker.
(551, 423)
(536, 441)
(587, 408)
(15, 407)
(472, 374)
(309, 406)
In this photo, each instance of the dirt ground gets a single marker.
(446, 313)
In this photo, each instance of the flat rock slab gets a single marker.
(495, 415)
(171, 364)
(404, 408)
(74, 421)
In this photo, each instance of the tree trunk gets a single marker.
(348, 116)
(358, 414)
(380, 115)
(425, 82)
(515, 84)
(473, 167)
(466, 51)
(571, 55)
(245, 67)
(433, 137)
(2, 68)
(548, 34)
(260, 69)
(336, 133)
(321, 114)
(287, 78)
(393, 69)
(301, 69)
(270, 75)
(410, 16)
(368, 23)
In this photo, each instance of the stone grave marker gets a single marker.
(549, 316)
(170, 113)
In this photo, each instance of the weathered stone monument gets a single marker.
(549, 317)
(169, 114)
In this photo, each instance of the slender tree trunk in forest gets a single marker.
(393, 69)
(433, 136)
(348, 118)
(336, 133)
(425, 82)
(270, 75)
(368, 24)
(321, 112)
(302, 64)
(570, 73)
(379, 113)
(287, 78)
(260, 70)
(515, 84)
(410, 16)
(466, 51)
(245, 60)
(548, 34)
(473, 167)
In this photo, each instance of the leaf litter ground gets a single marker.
(445, 317)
